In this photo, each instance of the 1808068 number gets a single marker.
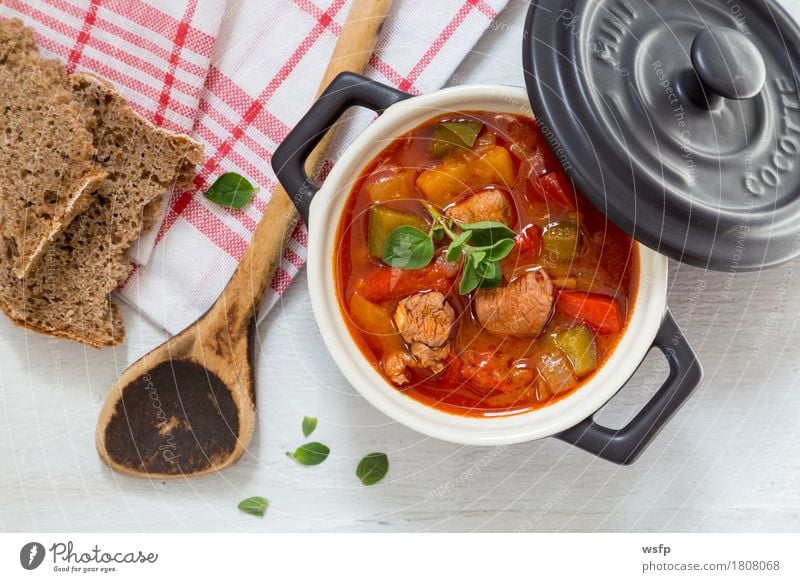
(757, 565)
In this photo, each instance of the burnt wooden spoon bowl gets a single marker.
(187, 408)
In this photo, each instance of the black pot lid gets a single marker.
(679, 119)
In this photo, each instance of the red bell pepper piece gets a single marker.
(529, 240)
(527, 244)
(387, 283)
(554, 187)
(599, 312)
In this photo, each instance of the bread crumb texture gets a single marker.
(65, 293)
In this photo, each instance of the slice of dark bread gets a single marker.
(66, 293)
(47, 173)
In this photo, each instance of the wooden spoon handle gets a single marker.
(357, 41)
(246, 286)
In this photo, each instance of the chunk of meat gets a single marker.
(428, 357)
(424, 320)
(521, 308)
(396, 365)
(487, 205)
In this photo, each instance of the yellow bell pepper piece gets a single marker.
(396, 185)
(456, 175)
(376, 321)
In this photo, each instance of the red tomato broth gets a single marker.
(607, 265)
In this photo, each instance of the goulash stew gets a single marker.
(471, 273)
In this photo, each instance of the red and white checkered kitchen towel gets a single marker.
(237, 75)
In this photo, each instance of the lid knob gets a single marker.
(728, 65)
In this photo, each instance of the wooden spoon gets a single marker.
(187, 408)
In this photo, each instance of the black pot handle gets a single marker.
(623, 446)
(345, 91)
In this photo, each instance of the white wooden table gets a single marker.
(729, 460)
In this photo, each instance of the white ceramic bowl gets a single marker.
(570, 419)
(325, 212)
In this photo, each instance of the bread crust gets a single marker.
(65, 334)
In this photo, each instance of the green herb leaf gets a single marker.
(372, 468)
(408, 247)
(310, 454)
(488, 233)
(457, 246)
(477, 257)
(491, 275)
(254, 506)
(487, 269)
(309, 424)
(499, 250)
(483, 244)
(480, 273)
(470, 279)
(231, 190)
